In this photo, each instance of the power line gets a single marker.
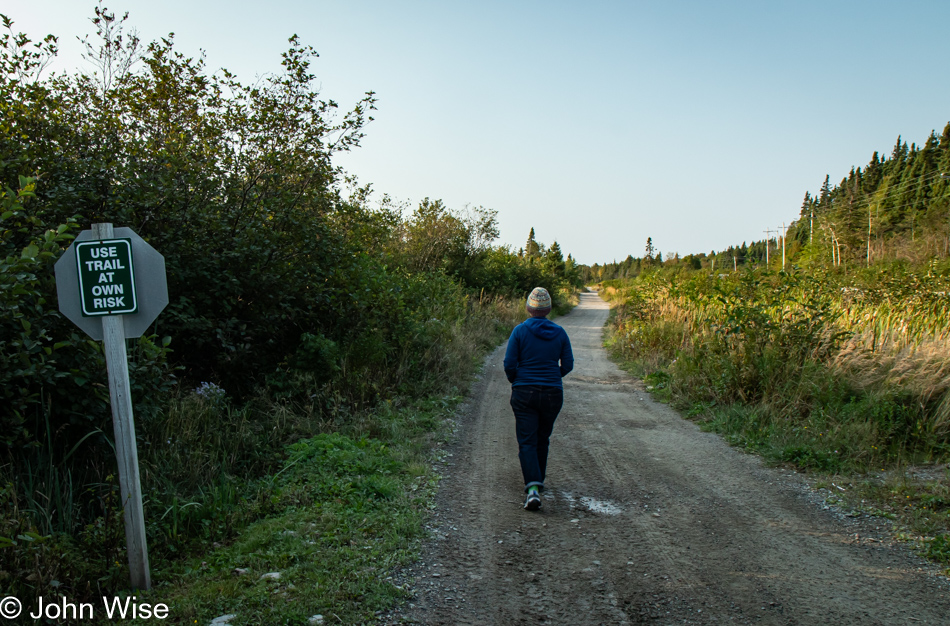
(898, 191)
(893, 194)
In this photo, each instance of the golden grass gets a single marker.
(897, 344)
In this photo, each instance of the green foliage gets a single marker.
(316, 353)
(347, 510)
(334, 466)
(294, 312)
(28, 320)
(641, 333)
(938, 548)
(457, 243)
(804, 367)
(755, 342)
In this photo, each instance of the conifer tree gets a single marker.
(648, 253)
(824, 196)
(532, 249)
(553, 260)
(808, 210)
(943, 161)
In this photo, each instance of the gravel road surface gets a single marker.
(646, 519)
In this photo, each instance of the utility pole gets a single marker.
(783, 246)
(768, 237)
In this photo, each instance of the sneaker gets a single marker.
(533, 501)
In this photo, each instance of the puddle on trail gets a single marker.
(604, 507)
(601, 506)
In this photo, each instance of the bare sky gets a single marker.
(697, 123)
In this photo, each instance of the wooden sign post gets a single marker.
(111, 284)
(126, 451)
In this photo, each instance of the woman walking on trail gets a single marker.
(538, 356)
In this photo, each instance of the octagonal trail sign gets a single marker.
(121, 275)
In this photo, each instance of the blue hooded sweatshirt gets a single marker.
(539, 353)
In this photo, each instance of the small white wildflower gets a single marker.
(211, 392)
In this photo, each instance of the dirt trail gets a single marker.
(646, 519)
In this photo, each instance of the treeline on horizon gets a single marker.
(894, 208)
(293, 305)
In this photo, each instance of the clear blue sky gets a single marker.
(697, 123)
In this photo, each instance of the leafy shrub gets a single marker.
(29, 322)
(938, 548)
(803, 353)
(292, 309)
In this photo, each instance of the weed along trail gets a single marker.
(646, 519)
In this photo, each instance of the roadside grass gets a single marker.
(874, 442)
(566, 300)
(348, 511)
(917, 499)
(875, 484)
(321, 535)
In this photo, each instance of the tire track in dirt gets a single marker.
(646, 519)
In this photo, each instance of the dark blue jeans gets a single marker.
(535, 407)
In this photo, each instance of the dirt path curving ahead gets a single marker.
(646, 519)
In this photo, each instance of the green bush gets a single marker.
(759, 355)
(293, 311)
(938, 548)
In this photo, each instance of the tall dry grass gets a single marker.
(904, 347)
(867, 365)
(920, 368)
